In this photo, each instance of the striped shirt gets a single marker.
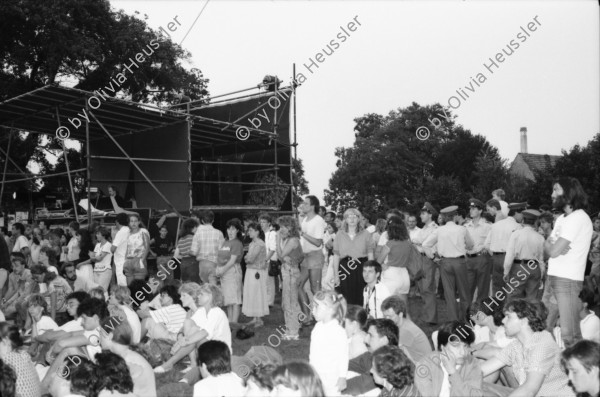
(185, 245)
(172, 316)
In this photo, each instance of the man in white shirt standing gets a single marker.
(119, 247)
(311, 239)
(567, 248)
(413, 229)
(205, 245)
(497, 241)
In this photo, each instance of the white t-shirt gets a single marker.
(104, 264)
(577, 229)
(383, 239)
(215, 323)
(134, 323)
(271, 243)
(71, 326)
(314, 228)
(329, 354)
(374, 299)
(120, 241)
(93, 347)
(46, 324)
(371, 229)
(21, 242)
(504, 208)
(221, 385)
(590, 327)
(73, 249)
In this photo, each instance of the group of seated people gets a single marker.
(127, 341)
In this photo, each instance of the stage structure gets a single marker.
(188, 156)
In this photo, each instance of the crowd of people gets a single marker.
(84, 313)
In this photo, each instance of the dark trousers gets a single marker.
(454, 276)
(352, 282)
(427, 289)
(497, 272)
(525, 276)
(479, 269)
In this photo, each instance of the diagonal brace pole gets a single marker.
(5, 167)
(64, 148)
(134, 164)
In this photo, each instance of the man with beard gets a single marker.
(567, 249)
(533, 355)
(380, 332)
(77, 284)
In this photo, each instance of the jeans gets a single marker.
(566, 292)
(289, 298)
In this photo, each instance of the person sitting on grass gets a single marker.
(40, 321)
(92, 312)
(533, 354)
(20, 286)
(209, 322)
(167, 321)
(214, 360)
(116, 337)
(354, 323)
(375, 292)
(120, 297)
(113, 376)
(395, 372)
(296, 379)
(451, 371)
(56, 291)
(380, 332)
(582, 363)
(73, 301)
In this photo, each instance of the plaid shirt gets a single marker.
(542, 355)
(206, 243)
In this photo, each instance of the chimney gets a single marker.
(523, 139)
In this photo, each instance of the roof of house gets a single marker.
(539, 162)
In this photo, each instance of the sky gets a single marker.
(402, 52)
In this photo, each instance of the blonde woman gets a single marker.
(352, 247)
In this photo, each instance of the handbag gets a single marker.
(274, 268)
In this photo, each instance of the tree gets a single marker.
(390, 166)
(85, 44)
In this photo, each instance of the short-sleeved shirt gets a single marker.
(120, 241)
(144, 382)
(230, 247)
(399, 253)
(357, 247)
(135, 244)
(215, 323)
(20, 243)
(46, 324)
(104, 264)
(541, 355)
(173, 316)
(161, 245)
(184, 244)
(315, 228)
(271, 243)
(221, 385)
(576, 228)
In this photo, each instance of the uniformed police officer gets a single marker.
(427, 285)
(524, 261)
(479, 264)
(453, 241)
